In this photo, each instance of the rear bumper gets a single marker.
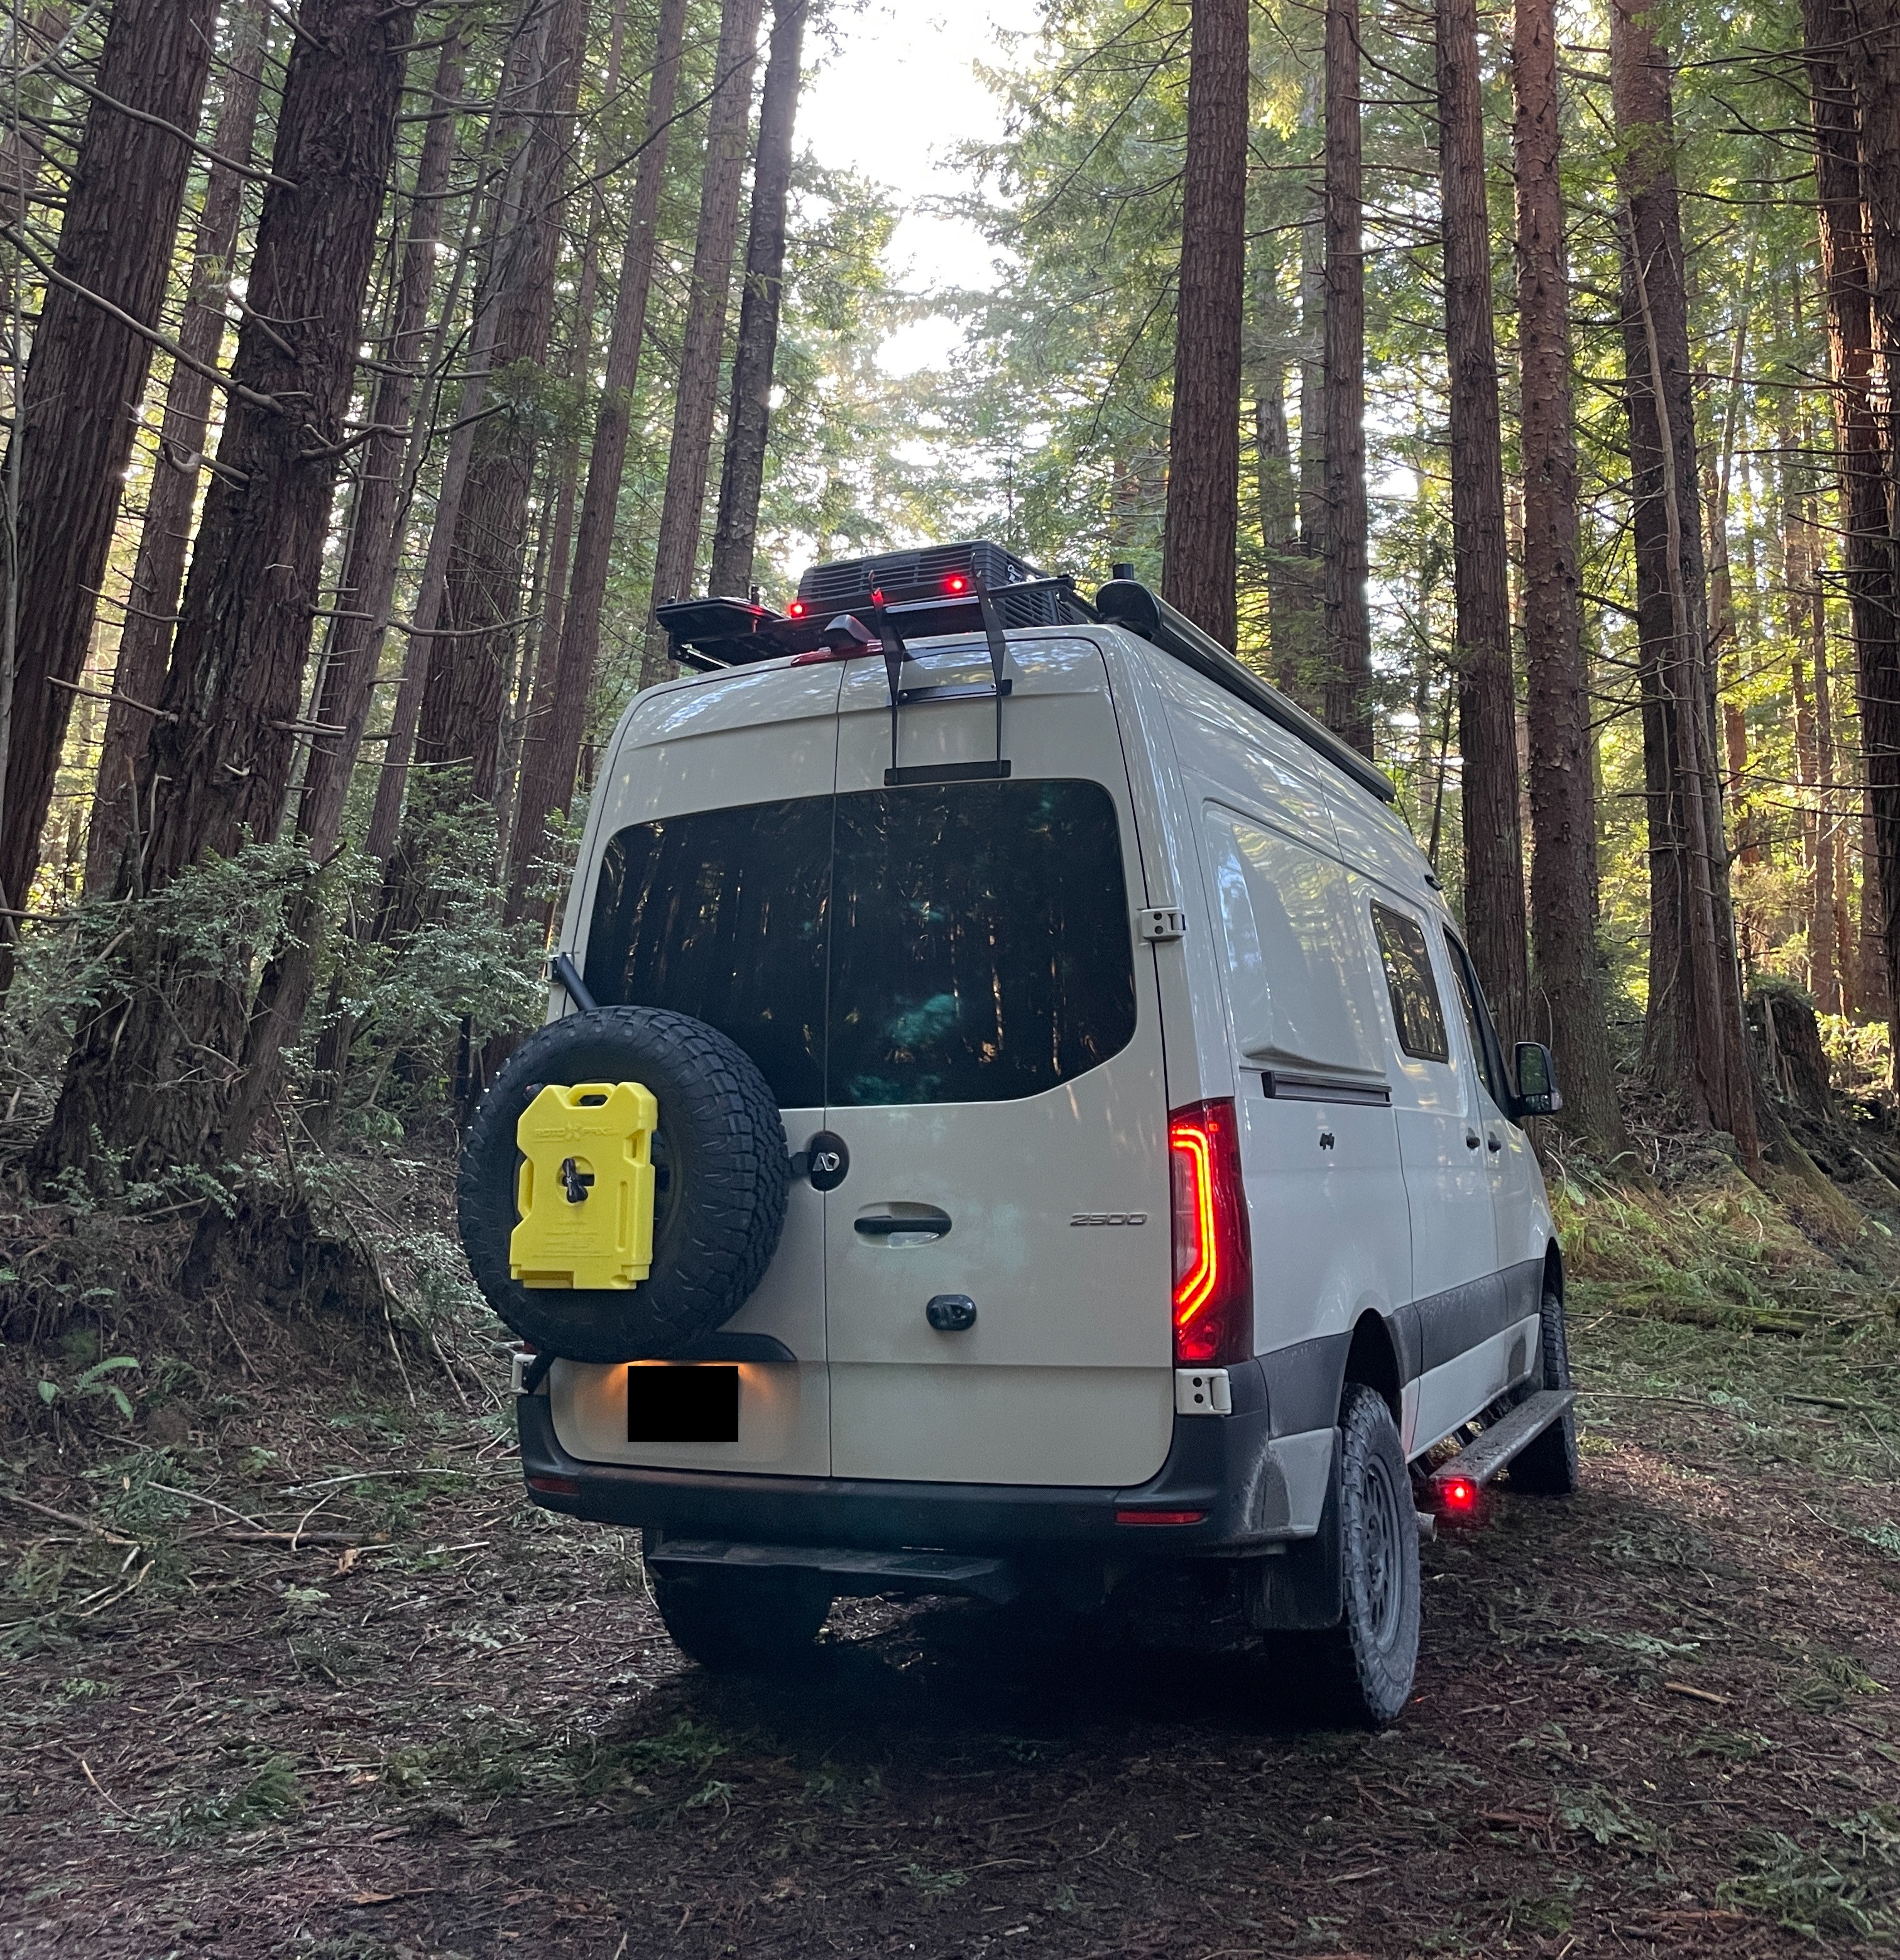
(1254, 1492)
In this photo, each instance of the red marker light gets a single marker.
(956, 582)
(796, 609)
(877, 595)
(1460, 1494)
(1161, 1517)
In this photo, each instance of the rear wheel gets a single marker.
(1548, 1464)
(1369, 1658)
(733, 1622)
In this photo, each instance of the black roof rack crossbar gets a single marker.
(1126, 602)
(711, 633)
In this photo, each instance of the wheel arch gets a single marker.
(1372, 1360)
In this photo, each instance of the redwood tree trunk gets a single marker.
(1873, 565)
(1348, 629)
(1204, 431)
(702, 341)
(1696, 1040)
(1487, 700)
(558, 715)
(1567, 1005)
(154, 1060)
(84, 380)
(463, 698)
(146, 637)
(736, 531)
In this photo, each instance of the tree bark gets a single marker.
(80, 396)
(153, 1061)
(159, 572)
(1824, 958)
(1839, 59)
(682, 515)
(558, 716)
(1696, 1039)
(463, 697)
(1348, 628)
(747, 423)
(1204, 430)
(1494, 896)
(1567, 1005)
(518, 82)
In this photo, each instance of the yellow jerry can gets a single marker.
(585, 1194)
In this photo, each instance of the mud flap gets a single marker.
(1302, 1589)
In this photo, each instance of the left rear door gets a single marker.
(709, 877)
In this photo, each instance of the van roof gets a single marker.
(878, 604)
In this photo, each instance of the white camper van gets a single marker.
(1076, 1134)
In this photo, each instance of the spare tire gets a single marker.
(719, 1204)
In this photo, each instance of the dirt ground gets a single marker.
(1658, 1718)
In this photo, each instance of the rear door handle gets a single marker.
(918, 1225)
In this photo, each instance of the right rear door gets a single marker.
(995, 1068)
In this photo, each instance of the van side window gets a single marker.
(1484, 1039)
(1415, 1009)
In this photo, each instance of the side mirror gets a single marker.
(1538, 1094)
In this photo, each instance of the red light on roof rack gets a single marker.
(796, 609)
(956, 582)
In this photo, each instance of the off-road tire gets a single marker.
(716, 1221)
(730, 1622)
(1548, 1465)
(1369, 1660)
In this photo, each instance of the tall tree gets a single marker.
(348, 672)
(682, 515)
(1838, 57)
(1204, 433)
(154, 1060)
(462, 698)
(79, 399)
(1349, 627)
(163, 538)
(1567, 1007)
(557, 716)
(1487, 699)
(736, 529)
(1695, 1038)
(501, 220)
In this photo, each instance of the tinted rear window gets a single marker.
(961, 943)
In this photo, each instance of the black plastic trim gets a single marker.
(1304, 1381)
(1215, 1465)
(947, 772)
(1290, 1086)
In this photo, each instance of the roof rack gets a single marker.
(856, 607)
(1126, 602)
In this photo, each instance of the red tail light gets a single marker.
(1213, 1250)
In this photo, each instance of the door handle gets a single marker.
(923, 1221)
(1494, 1143)
(1471, 1140)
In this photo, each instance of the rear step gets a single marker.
(862, 1572)
(1475, 1465)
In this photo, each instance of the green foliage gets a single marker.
(94, 1383)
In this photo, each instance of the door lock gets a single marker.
(825, 1160)
(1494, 1143)
(1471, 1142)
(951, 1313)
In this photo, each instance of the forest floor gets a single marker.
(1661, 1717)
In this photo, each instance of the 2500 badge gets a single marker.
(1109, 1218)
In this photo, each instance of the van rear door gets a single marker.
(995, 1078)
(709, 859)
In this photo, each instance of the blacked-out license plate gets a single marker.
(682, 1405)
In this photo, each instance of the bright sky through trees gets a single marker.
(892, 102)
